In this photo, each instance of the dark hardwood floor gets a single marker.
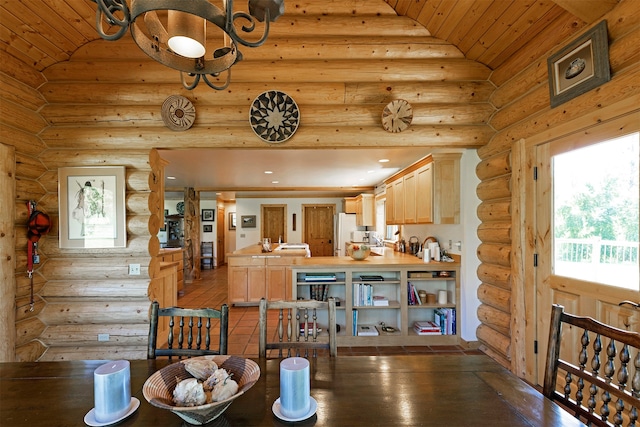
(211, 291)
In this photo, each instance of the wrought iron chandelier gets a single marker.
(181, 44)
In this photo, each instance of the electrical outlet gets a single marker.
(459, 245)
(450, 246)
(103, 337)
(134, 269)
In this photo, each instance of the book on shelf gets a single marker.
(419, 332)
(367, 331)
(319, 292)
(362, 295)
(319, 277)
(412, 295)
(371, 278)
(380, 301)
(426, 326)
(355, 323)
(445, 318)
(309, 328)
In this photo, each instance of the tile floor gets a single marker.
(211, 291)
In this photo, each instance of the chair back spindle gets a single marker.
(297, 328)
(602, 372)
(192, 325)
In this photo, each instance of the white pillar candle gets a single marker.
(112, 390)
(426, 255)
(294, 387)
(442, 297)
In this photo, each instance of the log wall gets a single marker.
(102, 107)
(522, 100)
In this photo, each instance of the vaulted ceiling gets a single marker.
(43, 32)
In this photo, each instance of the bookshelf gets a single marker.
(355, 286)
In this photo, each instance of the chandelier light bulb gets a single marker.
(186, 34)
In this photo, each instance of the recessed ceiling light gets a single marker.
(171, 177)
(268, 172)
(275, 182)
(383, 160)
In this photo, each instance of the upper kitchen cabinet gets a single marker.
(427, 192)
(365, 210)
(350, 205)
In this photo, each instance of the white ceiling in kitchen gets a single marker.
(298, 171)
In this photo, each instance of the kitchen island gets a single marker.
(406, 290)
(253, 274)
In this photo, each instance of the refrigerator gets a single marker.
(345, 223)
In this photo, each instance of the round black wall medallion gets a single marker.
(274, 116)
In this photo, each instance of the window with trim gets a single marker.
(595, 212)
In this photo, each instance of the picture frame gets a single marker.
(580, 66)
(91, 203)
(207, 228)
(166, 212)
(248, 221)
(208, 215)
(232, 220)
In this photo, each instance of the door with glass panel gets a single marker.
(587, 234)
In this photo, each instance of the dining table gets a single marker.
(384, 390)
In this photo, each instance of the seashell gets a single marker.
(200, 368)
(189, 392)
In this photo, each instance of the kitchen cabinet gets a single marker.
(349, 205)
(410, 195)
(365, 210)
(247, 280)
(398, 201)
(428, 192)
(424, 194)
(253, 274)
(278, 279)
(171, 255)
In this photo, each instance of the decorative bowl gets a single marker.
(158, 389)
(358, 251)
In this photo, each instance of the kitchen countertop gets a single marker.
(256, 250)
(389, 258)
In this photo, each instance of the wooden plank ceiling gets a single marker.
(44, 32)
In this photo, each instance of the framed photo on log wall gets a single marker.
(91, 202)
(580, 66)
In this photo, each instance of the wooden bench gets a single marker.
(602, 386)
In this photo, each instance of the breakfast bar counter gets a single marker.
(395, 390)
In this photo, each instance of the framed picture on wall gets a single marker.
(580, 66)
(91, 202)
(208, 215)
(207, 228)
(248, 221)
(232, 220)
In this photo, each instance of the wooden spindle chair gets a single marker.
(602, 386)
(291, 315)
(189, 331)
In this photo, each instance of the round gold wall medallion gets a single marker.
(274, 116)
(397, 116)
(178, 113)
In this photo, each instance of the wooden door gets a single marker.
(274, 222)
(555, 286)
(318, 228)
(220, 241)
